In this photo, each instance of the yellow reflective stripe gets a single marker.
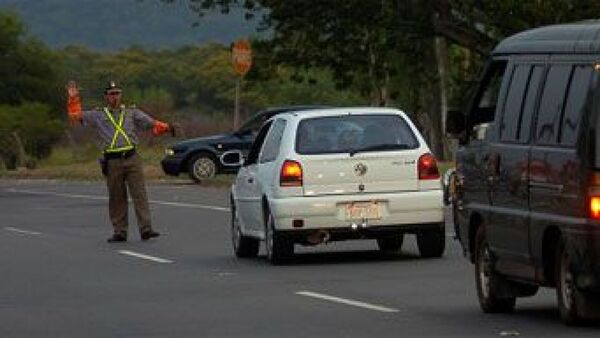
(118, 150)
(121, 129)
(118, 130)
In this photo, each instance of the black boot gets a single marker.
(117, 237)
(146, 235)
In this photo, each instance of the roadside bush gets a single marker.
(34, 125)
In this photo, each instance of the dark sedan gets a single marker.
(201, 157)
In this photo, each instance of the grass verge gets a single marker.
(81, 164)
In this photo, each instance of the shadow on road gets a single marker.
(338, 257)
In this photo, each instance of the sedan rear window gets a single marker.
(353, 134)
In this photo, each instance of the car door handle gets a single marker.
(251, 180)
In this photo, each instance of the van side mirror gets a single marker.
(455, 123)
(232, 158)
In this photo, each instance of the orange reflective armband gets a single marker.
(159, 128)
(74, 109)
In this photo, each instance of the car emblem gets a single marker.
(360, 169)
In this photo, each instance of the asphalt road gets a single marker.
(60, 278)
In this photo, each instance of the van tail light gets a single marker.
(291, 174)
(427, 167)
(593, 200)
(594, 207)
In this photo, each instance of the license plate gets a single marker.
(363, 210)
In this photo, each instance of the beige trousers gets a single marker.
(127, 174)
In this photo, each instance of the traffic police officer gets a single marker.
(116, 126)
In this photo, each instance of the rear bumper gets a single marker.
(406, 210)
(584, 248)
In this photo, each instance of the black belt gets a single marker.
(121, 154)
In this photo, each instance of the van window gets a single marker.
(551, 104)
(524, 132)
(272, 143)
(514, 102)
(484, 108)
(578, 91)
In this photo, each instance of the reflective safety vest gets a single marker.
(118, 130)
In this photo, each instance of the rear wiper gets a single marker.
(379, 147)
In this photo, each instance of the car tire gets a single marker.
(570, 300)
(391, 245)
(487, 280)
(202, 167)
(432, 243)
(243, 246)
(279, 248)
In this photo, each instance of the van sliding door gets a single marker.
(508, 229)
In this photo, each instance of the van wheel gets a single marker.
(487, 280)
(569, 298)
(391, 245)
(202, 167)
(432, 243)
(243, 246)
(279, 248)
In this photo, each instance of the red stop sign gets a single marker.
(241, 57)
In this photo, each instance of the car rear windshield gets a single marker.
(353, 134)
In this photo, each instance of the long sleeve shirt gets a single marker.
(133, 119)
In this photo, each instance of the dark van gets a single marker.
(528, 171)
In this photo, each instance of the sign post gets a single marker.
(241, 58)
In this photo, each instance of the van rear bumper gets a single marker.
(584, 248)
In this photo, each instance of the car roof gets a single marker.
(344, 110)
(574, 38)
(278, 110)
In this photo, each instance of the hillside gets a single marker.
(115, 24)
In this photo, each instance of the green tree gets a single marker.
(28, 70)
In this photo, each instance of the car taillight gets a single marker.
(427, 167)
(291, 174)
(593, 200)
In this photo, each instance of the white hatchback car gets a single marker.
(336, 174)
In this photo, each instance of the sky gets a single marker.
(117, 24)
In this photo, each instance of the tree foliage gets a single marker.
(414, 53)
(28, 70)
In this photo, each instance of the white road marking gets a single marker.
(21, 231)
(105, 198)
(346, 301)
(225, 274)
(147, 257)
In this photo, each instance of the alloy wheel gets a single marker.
(204, 167)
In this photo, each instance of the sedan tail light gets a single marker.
(291, 174)
(427, 167)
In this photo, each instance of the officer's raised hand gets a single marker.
(73, 102)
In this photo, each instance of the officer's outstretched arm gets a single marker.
(144, 121)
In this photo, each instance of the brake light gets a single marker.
(593, 200)
(595, 207)
(427, 167)
(291, 174)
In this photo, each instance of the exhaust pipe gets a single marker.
(318, 237)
